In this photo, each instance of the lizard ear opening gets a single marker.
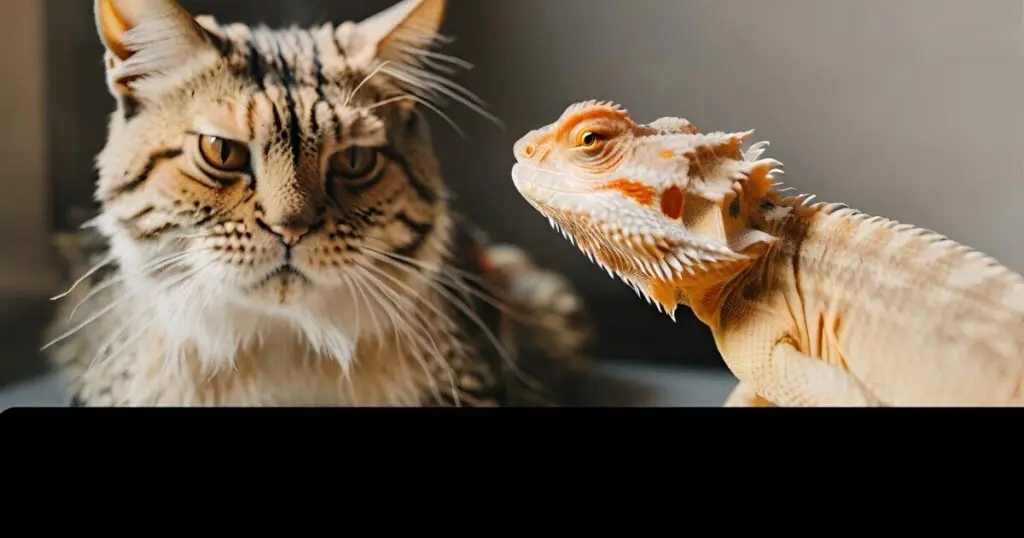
(145, 38)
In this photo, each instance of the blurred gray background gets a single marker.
(906, 108)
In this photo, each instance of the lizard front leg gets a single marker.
(744, 396)
(790, 378)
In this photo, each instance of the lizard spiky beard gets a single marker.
(660, 205)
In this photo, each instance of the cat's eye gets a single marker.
(354, 163)
(223, 154)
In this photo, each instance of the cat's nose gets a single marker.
(291, 234)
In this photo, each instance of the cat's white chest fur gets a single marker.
(276, 373)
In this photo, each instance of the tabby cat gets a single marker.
(275, 231)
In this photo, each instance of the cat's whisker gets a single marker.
(400, 334)
(105, 310)
(472, 316)
(440, 272)
(151, 267)
(443, 85)
(173, 319)
(454, 276)
(126, 345)
(418, 59)
(411, 331)
(424, 81)
(103, 263)
(433, 59)
(423, 33)
(144, 329)
(202, 235)
(364, 291)
(366, 79)
(394, 324)
(361, 279)
(360, 287)
(413, 293)
(412, 271)
(388, 101)
(346, 278)
(382, 250)
(355, 282)
(409, 70)
(433, 267)
(424, 102)
(79, 327)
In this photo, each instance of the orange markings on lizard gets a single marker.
(633, 189)
(592, 113)
(672, 203)
(666, 154)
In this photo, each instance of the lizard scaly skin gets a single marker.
(810, 304)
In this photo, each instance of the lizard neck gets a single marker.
(772, 272)
(760, 228)
(704, 293)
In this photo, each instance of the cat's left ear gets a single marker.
(409, 23)
(145, 38)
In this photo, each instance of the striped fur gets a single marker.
(206, 298)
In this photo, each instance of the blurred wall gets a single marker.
(910, 108)
(24, 205)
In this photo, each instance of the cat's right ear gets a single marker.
(146, 38)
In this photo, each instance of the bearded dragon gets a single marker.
(810, 304)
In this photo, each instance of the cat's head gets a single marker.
(261, 174)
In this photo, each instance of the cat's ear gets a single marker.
(409, 23)
(145, 38)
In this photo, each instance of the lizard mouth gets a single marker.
(528, 184)
(536, 183)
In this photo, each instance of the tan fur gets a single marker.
(195, 305)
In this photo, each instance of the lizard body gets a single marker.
(810, 304)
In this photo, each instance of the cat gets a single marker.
(274, 230)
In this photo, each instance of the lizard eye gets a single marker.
(589, 139)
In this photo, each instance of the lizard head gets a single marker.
(659, 205)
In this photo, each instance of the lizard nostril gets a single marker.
(525, 150)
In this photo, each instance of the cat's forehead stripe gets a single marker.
(263, 49)
(305, 75)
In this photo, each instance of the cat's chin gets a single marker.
(232, 323)
(285, 286)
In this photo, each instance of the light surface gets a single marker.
(612, 383)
